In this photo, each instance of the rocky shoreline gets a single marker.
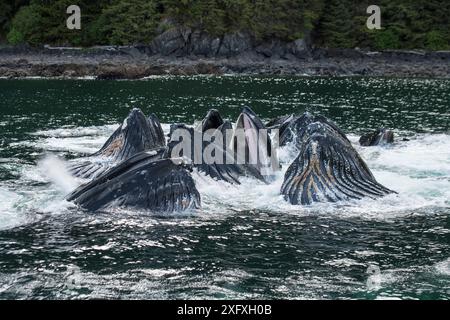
(272, 59)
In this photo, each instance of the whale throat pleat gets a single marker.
(329, 170)
(140, 183)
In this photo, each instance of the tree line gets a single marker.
(406, 24)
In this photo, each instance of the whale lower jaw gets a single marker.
(257, 149)
(328, 169)
(140, 183)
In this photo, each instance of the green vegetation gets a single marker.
(127, 22)
(406, 24)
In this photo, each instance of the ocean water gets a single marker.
(246, 241)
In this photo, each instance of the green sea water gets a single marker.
(246, 241)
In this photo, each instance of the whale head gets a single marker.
(252, 144)
(136, 134)
(328, 169)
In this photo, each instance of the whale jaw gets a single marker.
(328, 169)
(143, 182)
(252, 144)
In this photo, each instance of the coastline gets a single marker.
(138, 63)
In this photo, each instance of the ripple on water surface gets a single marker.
(246, 241)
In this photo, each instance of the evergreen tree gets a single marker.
(406, 24)
(335, 27)
(281, 19)
(25, 26)
(5, 17)
(130, 22)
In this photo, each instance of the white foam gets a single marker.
(9, 215)
(425, 156)
(55, 170)
(77, 131)
(443, 267)
(83, 140)
(86, 145)
(419, 170)
(125, 124)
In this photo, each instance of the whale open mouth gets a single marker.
(136, 134)
(251, 143)
(213, 120)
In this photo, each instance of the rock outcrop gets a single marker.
(182, 41)
(182, 51)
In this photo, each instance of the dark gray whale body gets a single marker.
(227, 168)
(380, 136)
(194, 152)
(144, 181)
(327, 168)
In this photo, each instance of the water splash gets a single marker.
(419, 170)
(55, 170)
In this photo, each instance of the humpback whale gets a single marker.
(144, 181)
(214, 122)
(209, 155)
(280, 123)
(136, 134)
(136, 168)
(251, 140)
(380, 136)
(327, 168)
